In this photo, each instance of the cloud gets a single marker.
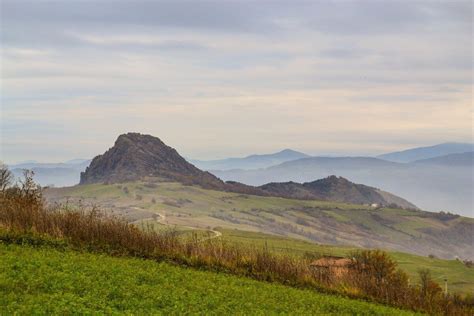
(260, 75)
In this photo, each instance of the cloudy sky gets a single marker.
(216, 79)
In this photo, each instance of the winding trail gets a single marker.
(162, 220)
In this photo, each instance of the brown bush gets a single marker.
(468, 263)
(375, 273)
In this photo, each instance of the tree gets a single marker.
(28, 185)
(6, 177)
(428, 287)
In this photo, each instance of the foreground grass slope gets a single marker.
(48, 281)
(417, 232)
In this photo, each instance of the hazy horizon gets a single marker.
(244, 155)
(229, 79)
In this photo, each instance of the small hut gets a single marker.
(331, 267)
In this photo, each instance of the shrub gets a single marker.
(468, 263)
(302, 221)
(377, 275)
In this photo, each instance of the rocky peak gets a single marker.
(135, 156)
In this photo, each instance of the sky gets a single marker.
(219, 79)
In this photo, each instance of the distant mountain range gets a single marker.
(250, 162)
(443, 183)
(411, 155)
(53, 174)
(435, 178)
(143, 157)
(268, 160)
(452, 160)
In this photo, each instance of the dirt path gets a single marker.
(162, 220)
(215, 232)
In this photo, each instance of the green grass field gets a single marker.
(48, 281)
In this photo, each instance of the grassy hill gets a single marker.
(290, 226)
(173, 204)
(49, 281)
(71, 230)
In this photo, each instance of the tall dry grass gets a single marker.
(373, 275)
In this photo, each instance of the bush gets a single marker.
(377, 275)
(302, 221)
(468, 263)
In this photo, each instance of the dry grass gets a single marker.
(373, 276)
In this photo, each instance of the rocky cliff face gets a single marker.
(135, 156)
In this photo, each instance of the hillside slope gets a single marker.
(324, 222)
(48, 281)
(337, 189)
(460, 277)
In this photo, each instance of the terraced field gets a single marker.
(49, 281)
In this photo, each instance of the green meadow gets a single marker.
(45, 281)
